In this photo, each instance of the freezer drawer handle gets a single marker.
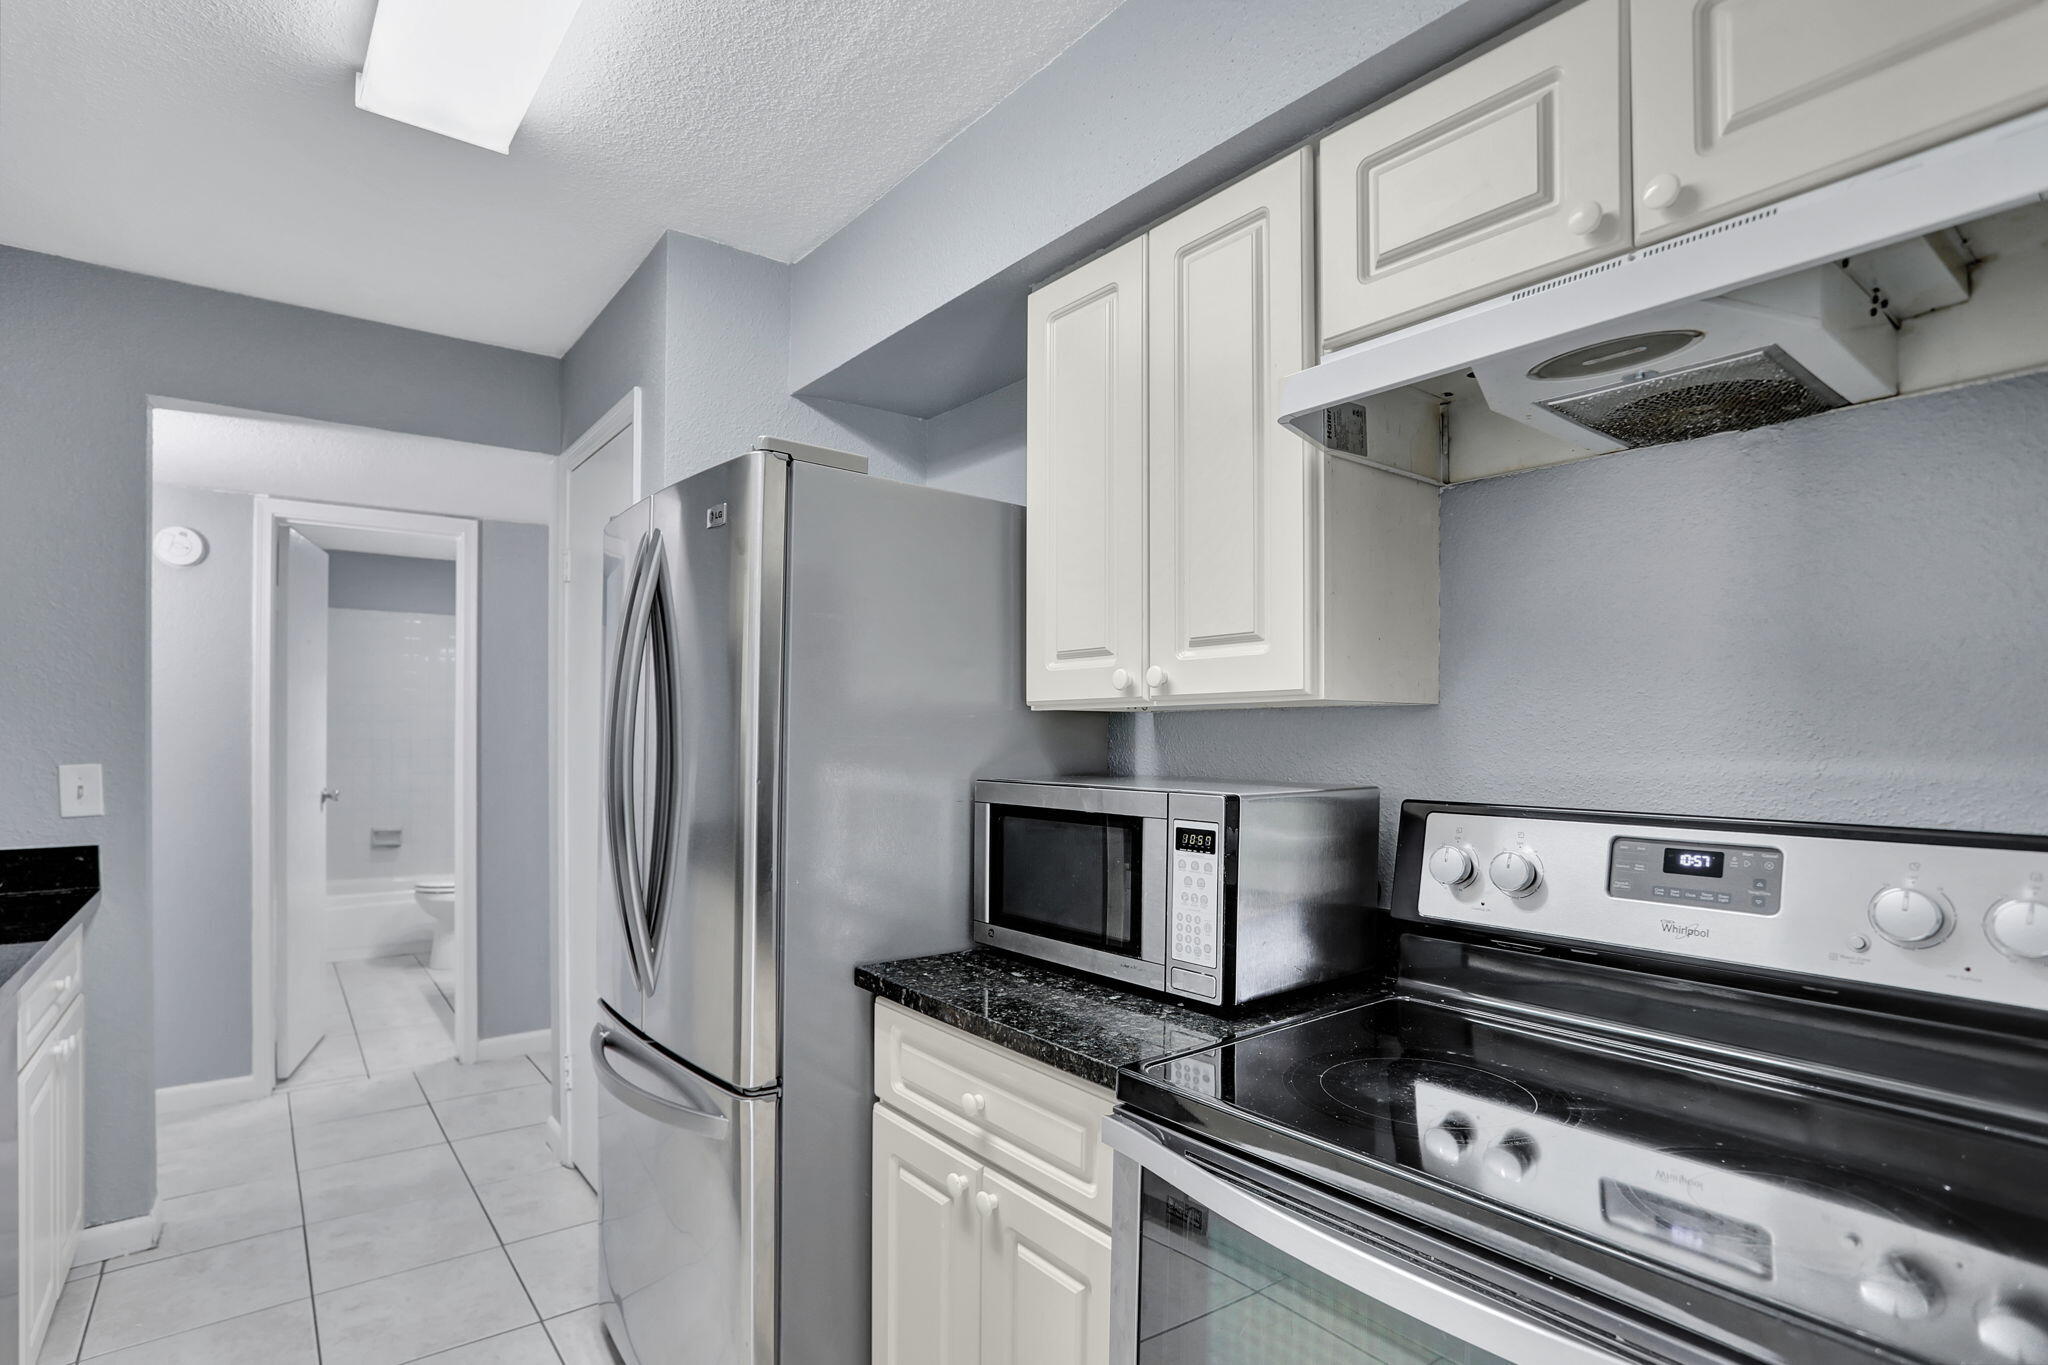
(674, 1113)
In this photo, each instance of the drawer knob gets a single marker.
(986, 1202)
(956, 1184)
(1661, 191)
(972, 1103)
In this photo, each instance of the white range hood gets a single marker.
(1727, 324)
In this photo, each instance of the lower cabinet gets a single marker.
(974, 1264)
(50, 1191)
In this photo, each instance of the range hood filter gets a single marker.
(1734, 393)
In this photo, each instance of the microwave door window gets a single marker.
(1069, 877)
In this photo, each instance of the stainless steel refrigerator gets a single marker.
(807, 669)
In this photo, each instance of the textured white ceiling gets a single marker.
(217, 142)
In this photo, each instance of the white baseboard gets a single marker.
(364, 952)
(104, 1241)
(507, 1045)
(185, 1099)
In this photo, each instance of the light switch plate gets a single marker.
(80, 790)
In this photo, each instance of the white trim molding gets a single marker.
(188, 1099)
(273, 516)
(506, 1046)
(104, 1241)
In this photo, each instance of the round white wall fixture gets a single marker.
(180, 546)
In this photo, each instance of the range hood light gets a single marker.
(466, 69)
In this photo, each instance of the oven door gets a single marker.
(1213, 1266)
(1074, 875)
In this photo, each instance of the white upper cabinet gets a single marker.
(1084, 601)
(1740, 102)
(1267, 571)
(1505, 169)
(1230, 318)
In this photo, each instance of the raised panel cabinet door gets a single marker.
(1740, 102)
(1084, 540)
(70, 1210)
(1503, 170)
(927, 1274)
(39, 1192)
(1044, 1280)
(1231, 553)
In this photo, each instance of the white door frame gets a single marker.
(624, 415)
(273, 515)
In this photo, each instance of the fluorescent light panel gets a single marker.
(465, 69)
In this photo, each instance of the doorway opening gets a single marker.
(363, 809)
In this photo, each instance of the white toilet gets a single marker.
(436, 896)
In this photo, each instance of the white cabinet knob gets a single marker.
(986, 1202)
(1120, 681)
(1155, 676)
(1585, 218)
(972, 1103)
(1661, 191)
(956, 1184)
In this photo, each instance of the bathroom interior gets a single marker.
(391, 716)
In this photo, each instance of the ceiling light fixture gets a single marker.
(466, 69)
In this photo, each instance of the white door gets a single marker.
(596, 490)
(39, 1191)
(1739, 102)
(302, 744)
(1229, 492)
(1084, 536)
(1044, 1281)
(927, 1274)
(1506, 169)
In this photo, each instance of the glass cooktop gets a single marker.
(1830, 1175)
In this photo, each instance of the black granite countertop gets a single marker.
(1083, 1025)
(42, 891)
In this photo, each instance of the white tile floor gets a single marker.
(389, 1205)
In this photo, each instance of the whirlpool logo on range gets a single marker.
(1680, 929)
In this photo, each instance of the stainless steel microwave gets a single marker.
(1223, 892)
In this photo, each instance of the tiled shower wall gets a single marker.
(390, 742)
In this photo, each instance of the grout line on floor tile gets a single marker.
(299, 1183)
(495, 1232)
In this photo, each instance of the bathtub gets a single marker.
(375, 917)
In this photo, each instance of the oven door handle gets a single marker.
(1432, 1302)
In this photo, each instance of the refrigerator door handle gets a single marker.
(673, 1112)
(622, 705)
(661, 854)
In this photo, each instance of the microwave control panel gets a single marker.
(1195, 896)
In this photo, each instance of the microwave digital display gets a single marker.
(1187, 840)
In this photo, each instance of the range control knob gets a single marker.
(1516, 872)
(1909, 918)
(1449, 1139)
(2015, 1333)
(1511, 1157)
(1451, 865)
(1900, 1288)
(2019, 928)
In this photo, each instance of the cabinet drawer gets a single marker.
(1739, 102)
(1506, 169)
(43, 1000)
(1039, 1126)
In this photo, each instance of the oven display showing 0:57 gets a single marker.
(1694, 862)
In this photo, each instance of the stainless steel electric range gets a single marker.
(1641, 1088)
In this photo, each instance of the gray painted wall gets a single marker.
(625, 345)
(199, 818)
(978, 447)
(81, 349)
(515, 875)
(200, 849)
(918, 304)
(1832, 620)
(390, 582)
